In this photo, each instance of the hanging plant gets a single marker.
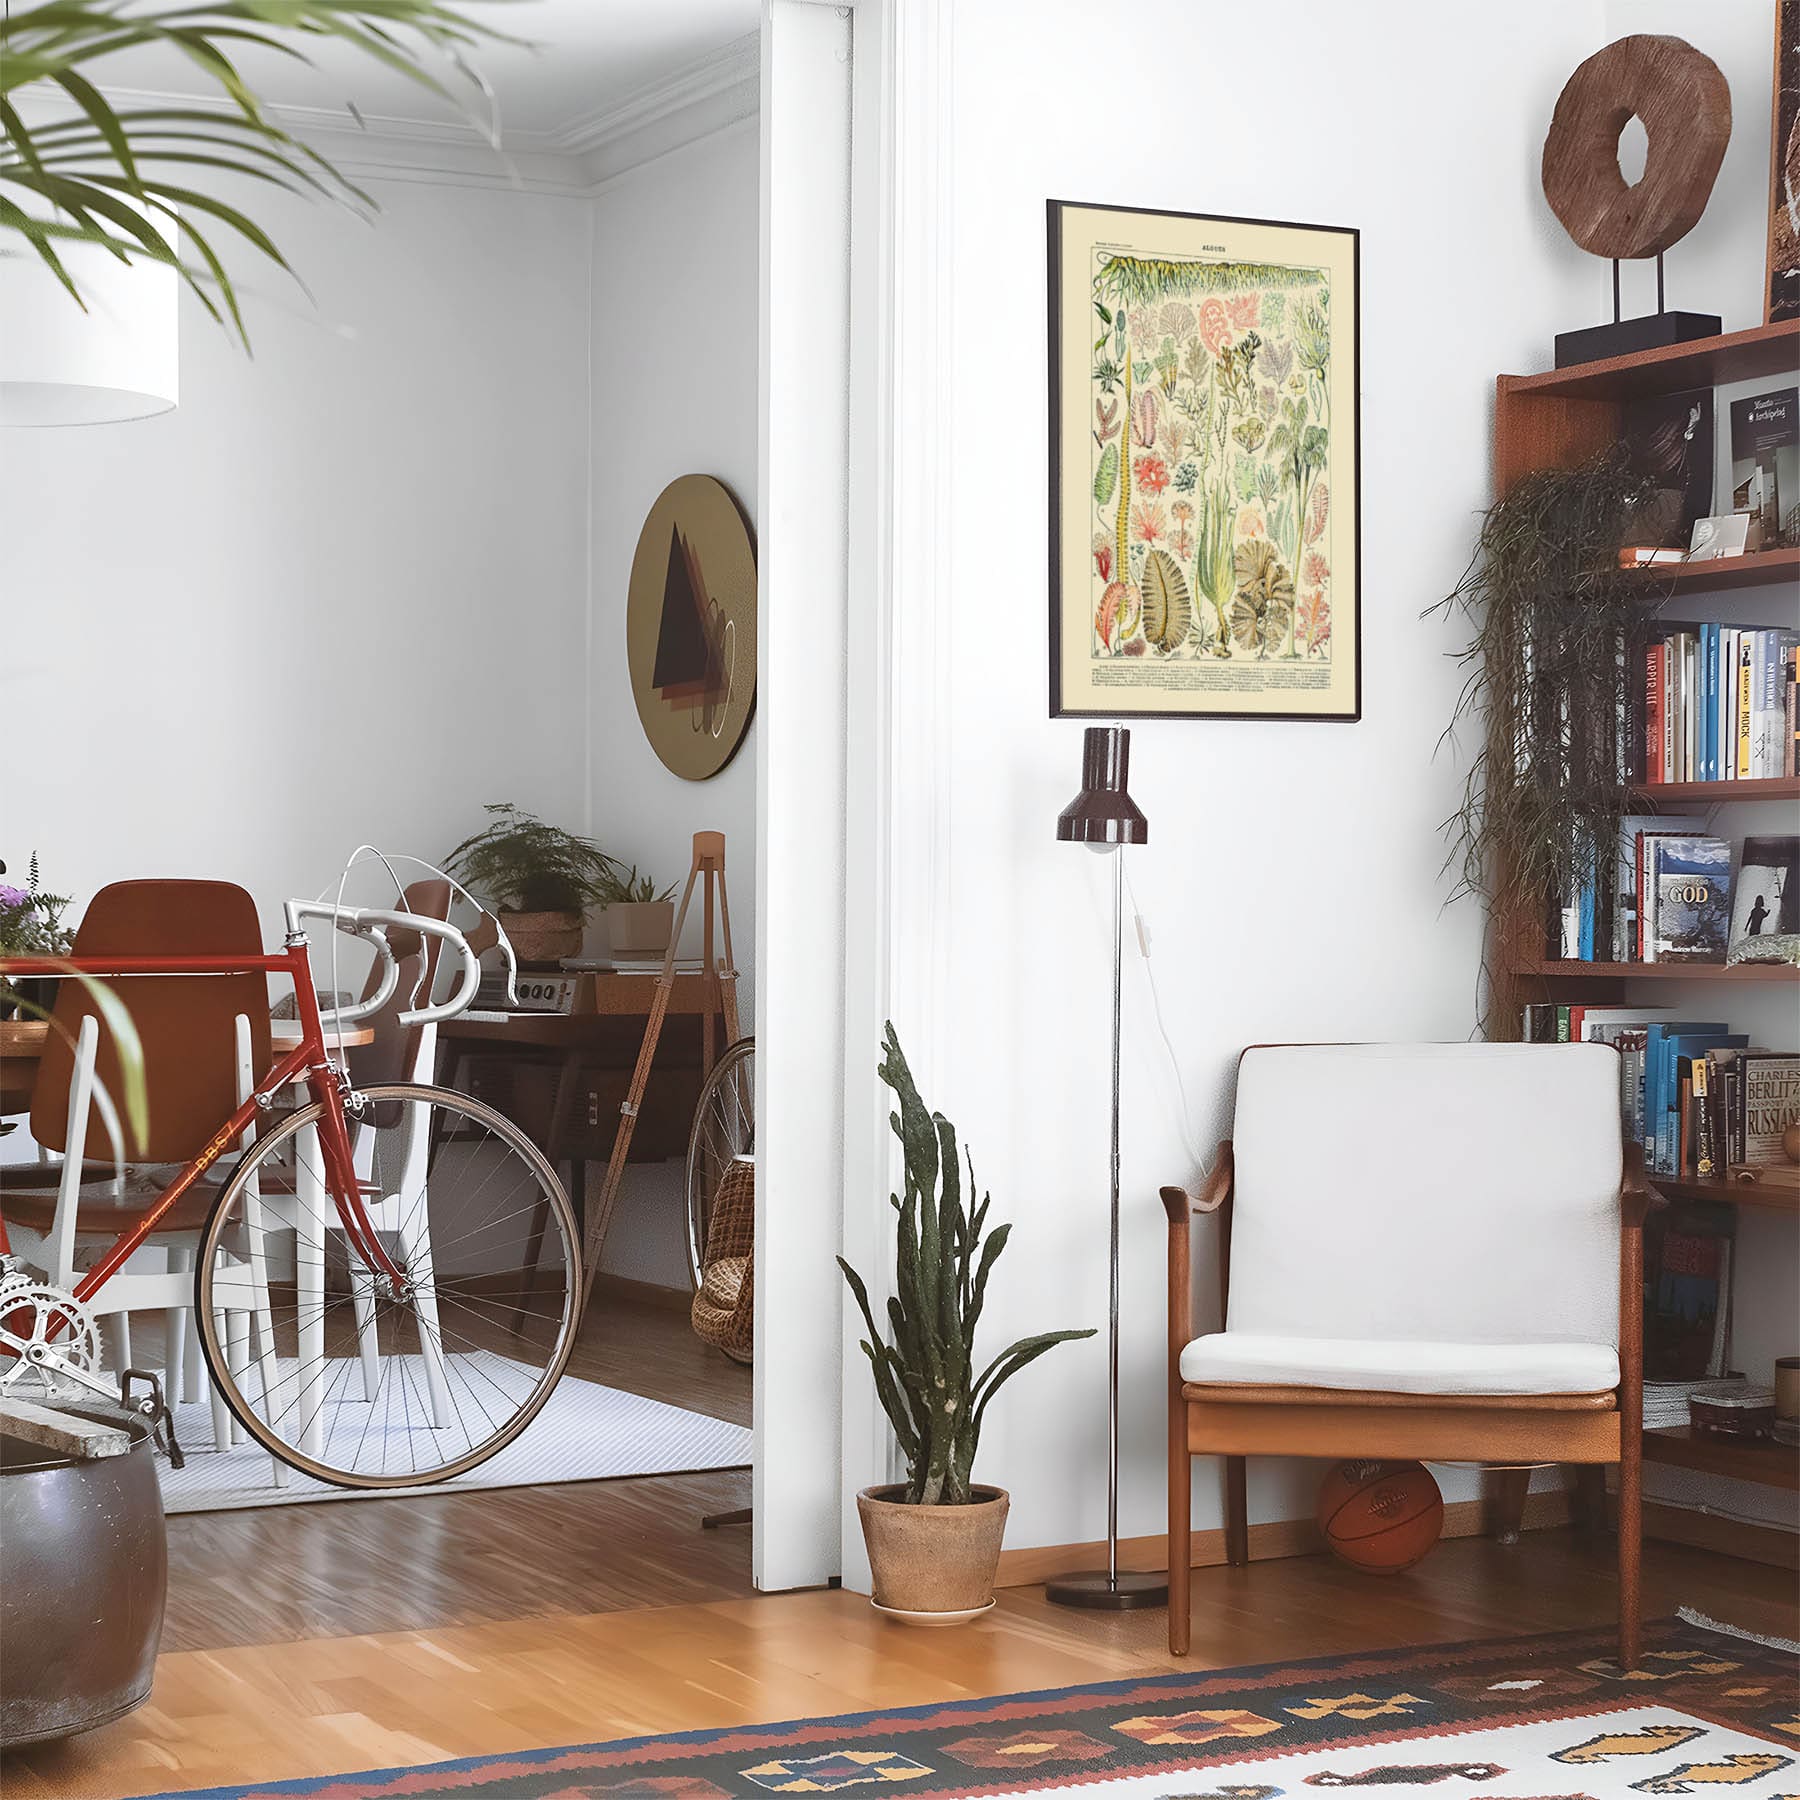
(1548, 681)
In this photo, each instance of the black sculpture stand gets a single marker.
(1625, 337)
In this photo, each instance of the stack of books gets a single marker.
(1666, 1402)
(1699, 1097)
(1717, 704)
(1678, 894)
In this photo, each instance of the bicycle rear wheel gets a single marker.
(337, 1370)
(724, 1127)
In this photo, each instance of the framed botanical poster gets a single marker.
(1204, 467)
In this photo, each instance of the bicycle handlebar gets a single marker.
(373, 925)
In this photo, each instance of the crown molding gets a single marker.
(706, 96)
(722, 74)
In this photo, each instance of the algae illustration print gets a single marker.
(1204, 478)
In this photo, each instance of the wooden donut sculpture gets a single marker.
(1684, 102)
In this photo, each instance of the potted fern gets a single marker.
(542, 879)
(934, 1539)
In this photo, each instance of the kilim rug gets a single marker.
(1542, 1718)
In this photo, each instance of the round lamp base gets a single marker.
(1095, 1590)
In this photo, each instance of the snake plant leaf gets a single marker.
(942, 1261)
(1106, 476)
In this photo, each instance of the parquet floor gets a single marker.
(329, 1705)
(315, 1640)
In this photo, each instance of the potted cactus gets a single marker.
(934, 1539)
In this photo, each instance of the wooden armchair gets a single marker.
(1428, 1251)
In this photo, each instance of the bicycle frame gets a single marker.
(309, 1060)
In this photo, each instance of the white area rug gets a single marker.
(586, 1432)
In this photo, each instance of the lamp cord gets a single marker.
(1184, 1112)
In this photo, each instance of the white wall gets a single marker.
(674, 345)
(376, 526)
(1292, 879)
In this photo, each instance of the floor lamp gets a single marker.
(1104, 817)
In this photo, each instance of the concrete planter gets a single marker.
(933, 1565)
(81, 1607)
(640, 928)
(542, 939)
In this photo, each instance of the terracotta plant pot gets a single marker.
(640, 928)
(933, 1564)
(541, 940)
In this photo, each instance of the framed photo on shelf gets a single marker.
(1204, 466)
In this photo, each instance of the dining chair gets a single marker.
(203, 1041)
(1425, 1251)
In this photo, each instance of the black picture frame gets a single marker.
(1345, 336)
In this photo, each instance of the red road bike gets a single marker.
(387, 1280)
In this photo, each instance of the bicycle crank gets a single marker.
(47, 1336)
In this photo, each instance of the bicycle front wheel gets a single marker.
(358, 1379)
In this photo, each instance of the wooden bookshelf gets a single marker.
(1765, 1197)
(1559, 420)
(1712, 793)
(1743, 1459)
(1757, 568)
(1550, 970)
(1762, 351)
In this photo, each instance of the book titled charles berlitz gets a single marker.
(1691, 887)
(1770, 1097)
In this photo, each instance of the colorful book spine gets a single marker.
(1741, 768)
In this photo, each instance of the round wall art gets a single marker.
(690, 626)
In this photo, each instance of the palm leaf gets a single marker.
(81, 168)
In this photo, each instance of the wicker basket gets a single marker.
(722, 1312)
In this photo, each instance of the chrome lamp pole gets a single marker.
(1104, 817)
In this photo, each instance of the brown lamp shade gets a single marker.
(1103, 812)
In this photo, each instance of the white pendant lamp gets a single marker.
(120, 359)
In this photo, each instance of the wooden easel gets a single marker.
(721, 993)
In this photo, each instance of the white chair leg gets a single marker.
(309, 1269)
(193, 1362)
(261, 1319)
(237, 1359)
(368, 1343)
(175, 1329)
(415, 1255)
(115, 1332)
(222, 1421)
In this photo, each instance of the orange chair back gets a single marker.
(186, 1024)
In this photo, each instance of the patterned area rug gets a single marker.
(1545, 1718)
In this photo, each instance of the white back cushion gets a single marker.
(1456, 1192)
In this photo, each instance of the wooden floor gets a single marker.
(315, 1640)
(336, 1704)
(334, 1568)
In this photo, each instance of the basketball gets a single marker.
(1380, 1517)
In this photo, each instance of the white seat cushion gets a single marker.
(1395, 1366)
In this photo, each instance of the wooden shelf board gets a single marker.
(1765, 350)
(1770, 1198)
(1776, 787)
(1759, 1460)
(1757, 568)
(1656, 971)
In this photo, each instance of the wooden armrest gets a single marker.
(1179, 1204)
(1636, 1196)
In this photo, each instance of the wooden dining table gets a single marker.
(22, 1044)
